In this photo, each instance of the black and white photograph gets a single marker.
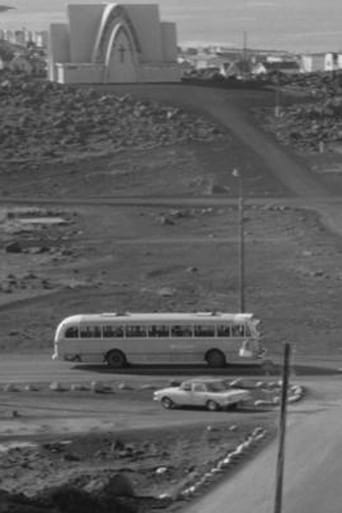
(170, 256)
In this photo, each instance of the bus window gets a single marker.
(181, 331)
(113, 331)
(90, 332)
(223, 330)
(71, 332)
(158, 331)
(247, 331)
(135, 331)
(238, 330)
(204, 331)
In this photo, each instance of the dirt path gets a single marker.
(224, 107)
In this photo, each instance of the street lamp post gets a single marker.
(237, 175)
(277, 98)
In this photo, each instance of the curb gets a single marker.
(230, 460)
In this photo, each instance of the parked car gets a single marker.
(213, 394)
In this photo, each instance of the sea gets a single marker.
(293, 25)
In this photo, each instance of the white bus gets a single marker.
(120, 339)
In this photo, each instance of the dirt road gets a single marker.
(227, 108)
(313, 464)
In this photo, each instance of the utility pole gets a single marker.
(241, 238)
(244, 54)
(277, 98)
(282, 431)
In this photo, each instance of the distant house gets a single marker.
(39, 66)
(40, 38)
(185, 65)
(236, 68)
(277, 66)
(22, 64)
(312, 62)
(19, 37)
(331, 61)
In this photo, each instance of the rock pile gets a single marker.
(41, 119)
(317, 120)
(309, 127)
(318, 84)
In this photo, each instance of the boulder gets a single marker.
(14, 247)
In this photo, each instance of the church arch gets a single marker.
(113, 16)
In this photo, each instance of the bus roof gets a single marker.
(159, 317)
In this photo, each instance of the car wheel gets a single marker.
(212, 406)
(215, 358)
(116, 359)
(167, 403)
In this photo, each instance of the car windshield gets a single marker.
(217, 386)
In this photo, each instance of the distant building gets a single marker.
(276, 66)
(236, 68)
(312, 62)
(41, 38)
(21, 64)
(9, 36)
(20, 37)
(331, 61)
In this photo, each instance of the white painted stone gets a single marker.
(31, 388)
(236, 382)
(125, 386)
(77, 387)
(56, 386)
(97, 386)
(10, 387)
(161, 470)
(257, 430)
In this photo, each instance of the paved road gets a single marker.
(313, 464)
(35, 368)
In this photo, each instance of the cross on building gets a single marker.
(122, 51)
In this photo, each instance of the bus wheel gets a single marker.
(212, 406)
(116, 359)
(167, 403)
(215, 358)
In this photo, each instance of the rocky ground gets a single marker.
(130, 471)
(139, 469)
(148, 258)
(313, 122)
(42, 121)
(60, 143)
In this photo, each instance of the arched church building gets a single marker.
(113, 43)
